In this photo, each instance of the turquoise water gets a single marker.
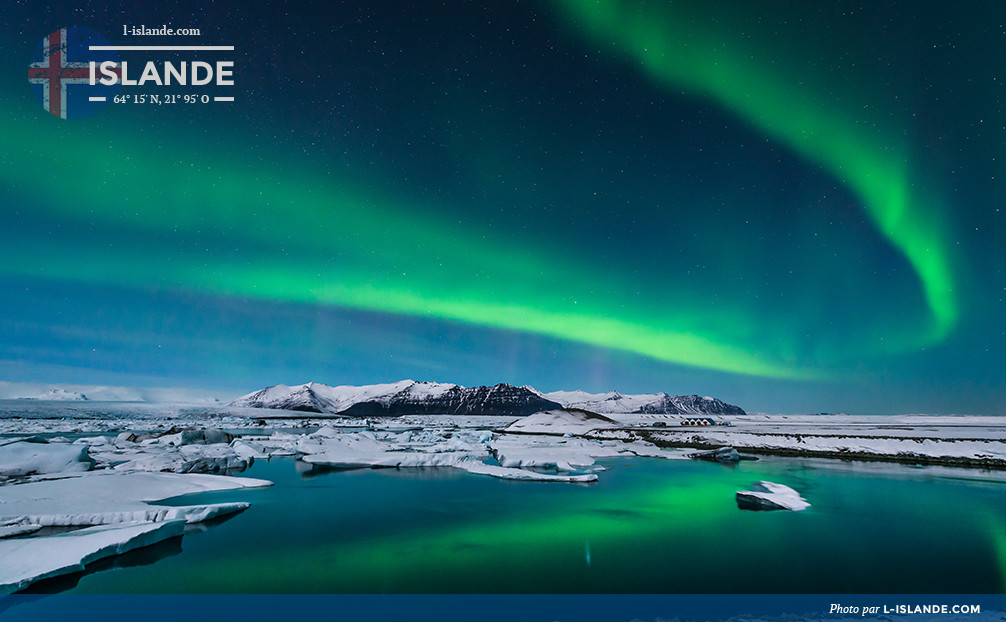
(647, 525)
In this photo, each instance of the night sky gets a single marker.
(795, 207)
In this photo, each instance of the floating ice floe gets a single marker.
(568, 453)
(250, 450)
(571, 459)
(32, 458)
(103, 498)
(25, 561)
(723, 455)
(178, 450)
(12, 527)
(116, 510)
(522, 474)
(770, 496)
(328, 447)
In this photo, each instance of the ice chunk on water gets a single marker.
(522, 474)
(24, 458)
(109, 497)
(17, 527)
(249, 450)
(770, 496)
(25, 561)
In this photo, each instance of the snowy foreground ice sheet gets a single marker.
(105, 498)
(23, 562)
(115, 507)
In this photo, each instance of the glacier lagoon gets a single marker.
(647, 526)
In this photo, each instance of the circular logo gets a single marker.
(60, 73)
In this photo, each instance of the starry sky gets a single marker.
(792, 207)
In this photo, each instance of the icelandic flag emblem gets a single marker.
(60, 73)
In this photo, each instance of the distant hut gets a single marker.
(698, 421)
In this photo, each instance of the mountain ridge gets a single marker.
(408, 397)
(644, 403)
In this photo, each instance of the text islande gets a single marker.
(194, 73)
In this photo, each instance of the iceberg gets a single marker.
(723, 455)
(173, 452)
(771, 496)
(249, 450)
(22, 458)
(567, 421)
(468, 450)
(567, 454)
(522, 474)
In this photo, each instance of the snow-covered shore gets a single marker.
(950, 439)
(974, 441)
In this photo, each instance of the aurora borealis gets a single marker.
(870, 161)
(789, 208)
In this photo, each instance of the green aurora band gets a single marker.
(190, 221)
(233, 221)
(674, 51)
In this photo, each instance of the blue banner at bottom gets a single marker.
(507, 608)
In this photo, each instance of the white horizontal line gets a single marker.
(223, 99)
(95, 99)
(165, 48)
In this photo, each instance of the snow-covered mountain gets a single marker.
(650, 403)
(106, 393)
(406, 397)
(59, 395)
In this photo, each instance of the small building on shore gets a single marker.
(698, 421)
